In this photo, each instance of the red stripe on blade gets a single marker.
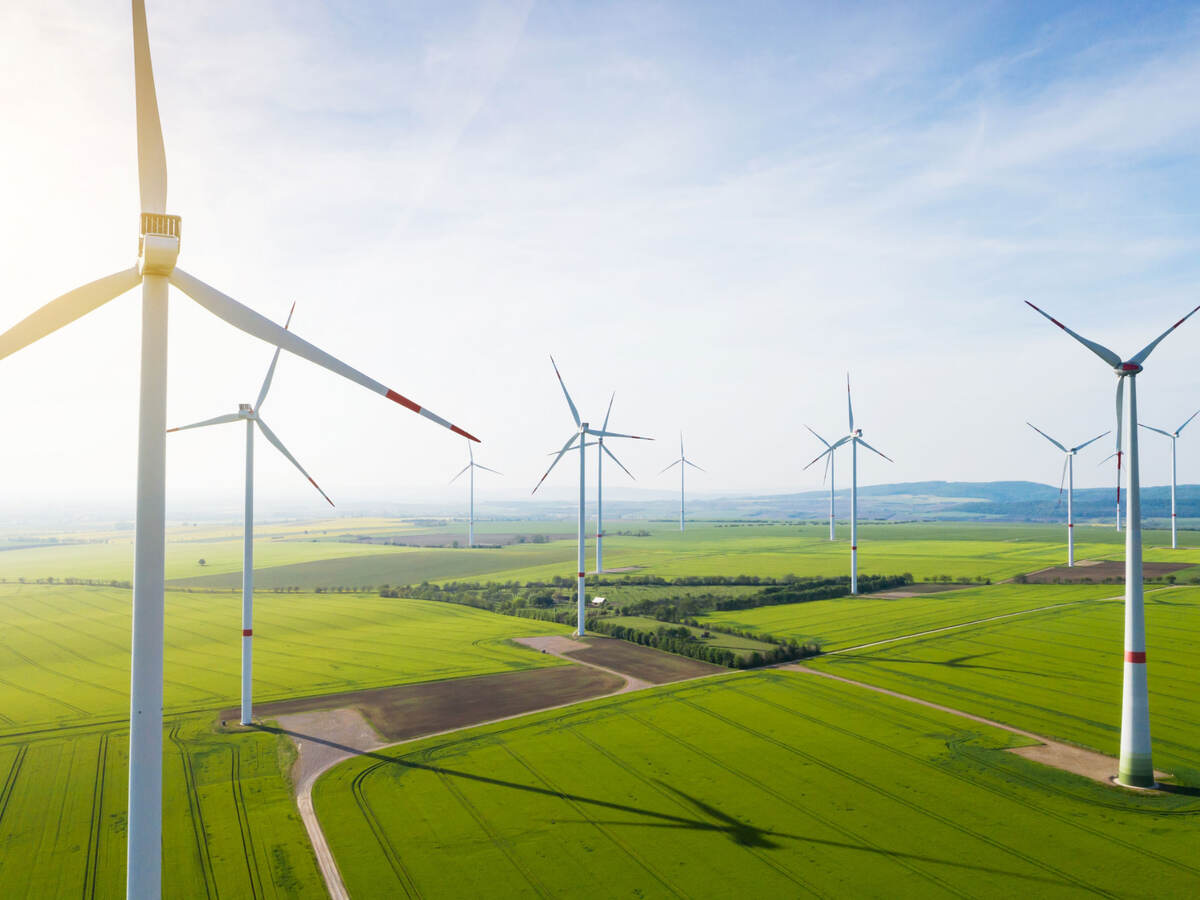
(465, 434)
(1135, 656)
(247, 632)
(403, 401)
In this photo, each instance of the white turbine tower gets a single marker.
(1068, 476)
(471, 467)
(252, 416)
(854, 438)
(1136, 767)
(829, 473)
(1174, 436)
(158, 248)
(683, 462)
(600, 487)
(581, 435)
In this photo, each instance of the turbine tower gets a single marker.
(600, 486)
(158, 249)
(471, 467)
(854, 438)
(1174, 436)
(252, 416)
(1136, 767)
(683, 462)
(581, 435)
(829, 473)
(1068, 476)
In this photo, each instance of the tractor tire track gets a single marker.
(10, 782)
(92, 861)
(196, 814)
(402, 874)
(239, 803)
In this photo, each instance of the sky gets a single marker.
(714, 210)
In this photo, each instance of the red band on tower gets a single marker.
(247, 632)
(1135, 656)
(581, 575)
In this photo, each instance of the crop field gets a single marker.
(849, 621)
(792, 784)
(1057, 673)
(64, 650)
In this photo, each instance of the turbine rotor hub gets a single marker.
(1128, 368)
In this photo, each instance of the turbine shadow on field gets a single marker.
(957, 662)
(739, 832)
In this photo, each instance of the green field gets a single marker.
(1057, 673)
(786, 782)
(848, 621)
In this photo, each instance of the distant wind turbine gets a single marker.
(600, 486)
(158, 250)
(1136, 766)
(683, 462)
(829, 473)
(1068, 476)
(252, 415)
(854, 438)
(471, 467)
(1174, 436)
(583, 430)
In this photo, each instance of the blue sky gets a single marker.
(713, 209)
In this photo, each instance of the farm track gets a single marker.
(196, 814)
(92, 862)
(239, 802)
(10, 781)
(389, 851)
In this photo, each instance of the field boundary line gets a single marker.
(1020, 612)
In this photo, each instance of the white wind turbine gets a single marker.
(1068, 476)
(471, 466)
(1136, 767)
(854, 438)
(581, 435)
(1174, 436)
(158, 249)
(252, 415)
(600, 486)
(683, 462)
(829, 472)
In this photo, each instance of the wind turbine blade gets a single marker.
(1047, 437)
(270, 436)
(604, 427)
(1062, 481)
(566, 393)
(486, 469)
(824, 453)
(818, 437)
(605, 434)
(66, 309)
(692, 464)
(152, 158)
(873, 450)
(219, 420)
(455, 478)
(618, 462)
(1101, 351)
(1106, 459)
(849, 405)
(672, 465)
(1085, 443)
(681, 445)
(247, 320)
(828, 460)
(1149, 348)
(1185, 424)
(565, 448)
(266, 385)
(1120, 430)
(1152, 428)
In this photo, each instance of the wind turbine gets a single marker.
(683, 462)
(1136, 767)
(583, 430)
(471, 467)
(158, 249)
(600, 486)
(1068, 476)
(1174, 436)
(252, 415)
(854, 438)
(829, 472)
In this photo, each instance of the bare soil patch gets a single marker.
(410, 710)
(917, 590)
(552, 643)
(1100, 570)
(335, 726)
(643, 663)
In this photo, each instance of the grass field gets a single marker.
(795, 785)
(64, 650)
(1057, 673)
(848, 621)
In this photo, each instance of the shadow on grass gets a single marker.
(736, 830)
(957, 662)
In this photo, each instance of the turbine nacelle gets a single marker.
(245, 410)
(1127, 368)
(158, 244)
